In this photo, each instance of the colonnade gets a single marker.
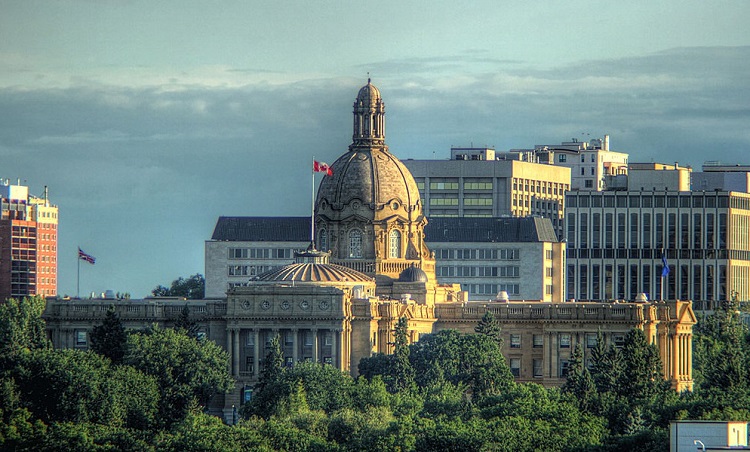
(324, 345)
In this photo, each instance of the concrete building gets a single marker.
(521, 256)
(28, 243)
(242, 248)
(483, 187)
(592, 164)
(716, 176)
(690, 436)
(615, 240)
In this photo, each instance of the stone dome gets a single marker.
(374, 184)
(413, 274)
(312, 266)
(368, 95)
(313, 273)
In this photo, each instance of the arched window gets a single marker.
(394, 244)
(323, 239)
(355, 243)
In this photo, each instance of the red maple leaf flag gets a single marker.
(321, 167)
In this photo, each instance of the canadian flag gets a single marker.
(321, 167)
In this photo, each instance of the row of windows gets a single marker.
(693, 199)
(479, 272)
(510, 254)
(491, 289)
(541, 205)
(564, 158)
(564, 340)
(656, 254)
(261, 253)
(355, 243)
(625, 282)
(536, 186)
(248, 270)
(647, 230)
(287, 338)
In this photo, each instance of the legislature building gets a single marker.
(368, 266)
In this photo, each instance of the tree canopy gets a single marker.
(187, 372)
(192, 287)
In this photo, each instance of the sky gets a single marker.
(149, 120)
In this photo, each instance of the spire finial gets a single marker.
(368, 77)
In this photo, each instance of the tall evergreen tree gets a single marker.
(186, 324)
(402, 376)
(606, 365)
(489, 326)
(271, 388)
(580, 383)
(110, 338)
(644, 378)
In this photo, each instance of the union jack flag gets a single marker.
(86, 257)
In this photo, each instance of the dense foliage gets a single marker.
(449, 391)
(192, 287)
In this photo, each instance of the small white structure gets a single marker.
(695, 435)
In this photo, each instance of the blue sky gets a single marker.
(148, 120)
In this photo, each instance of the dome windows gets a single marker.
(323, 240)
(394, 244)
(355, 244)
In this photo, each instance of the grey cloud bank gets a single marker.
(141, 172)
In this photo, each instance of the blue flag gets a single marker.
(664, 266)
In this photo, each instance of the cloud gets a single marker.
(141, 171)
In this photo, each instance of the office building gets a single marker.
(591, 163)
(28, 243)
(465, 186)
(616, 239)
(521, 256)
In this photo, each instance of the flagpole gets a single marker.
(312, 206)
(78, 279)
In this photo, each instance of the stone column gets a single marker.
(316, 354)
(256, 352)
(295, 345)
(555, 355)
(236, 352)
(334, 344)
(675, 358)
(229, 350)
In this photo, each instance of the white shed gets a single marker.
(694, 436)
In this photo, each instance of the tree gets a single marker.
(187, 371)
(472, 359)
(76, 386)
(644, 378)
(490, 327)
(579, 383)
(109, 338)
(186, 324)
(403, 373)
(22, 328)
(271, 387)
(194, 287)
(606, 365)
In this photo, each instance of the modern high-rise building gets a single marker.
(616, 240)
(476, 183)
(28, 243)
